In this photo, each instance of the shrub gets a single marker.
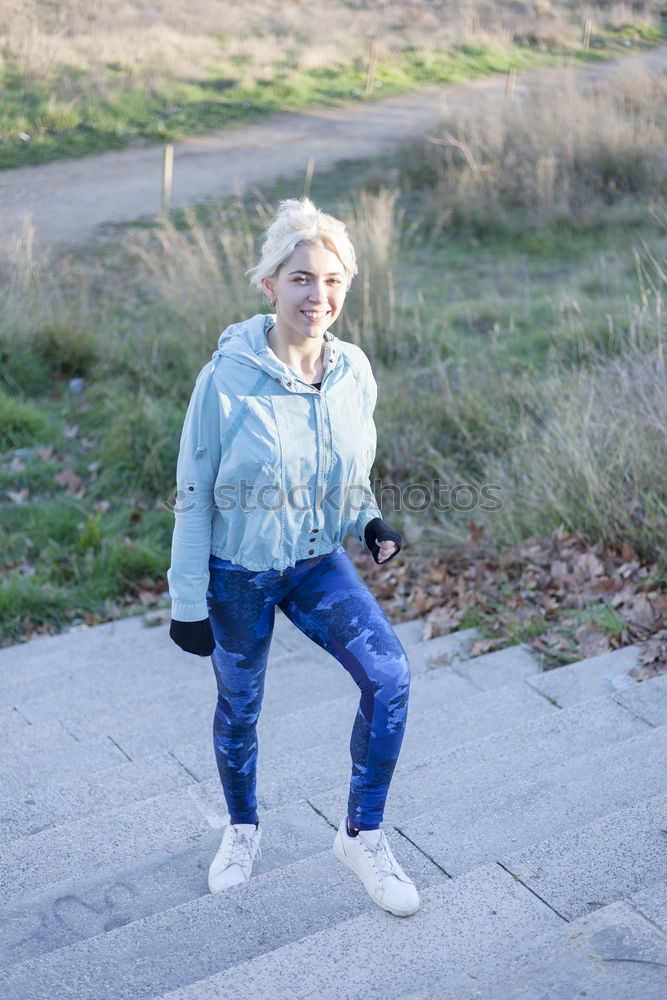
(566, 154)
(139, 446)
(197, 268)
(23, 598)
(21, 424)
(593, 457)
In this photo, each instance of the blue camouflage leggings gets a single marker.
(327, 600)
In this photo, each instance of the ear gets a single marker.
(269, 290)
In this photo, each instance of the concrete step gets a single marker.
(497, 669)
(165, 821)
(81, 694)
(59, 801)
(22, 741)
(614, 954)
(304, 674)
(10, 721)
(140, 724)
(478, 826)
(109, 668)
(646, 700)
(652, 902)
(500, 759)
(457, 940)
(618, 952)
(439, 770)
(67, 758)
(588, 678)
(215, 933)
(45, 655)
(78, 908)
(435, 722)
(135, 869)
(86, 654)
(109, 842)
(294, 729)
(31, 806)
(611, 857)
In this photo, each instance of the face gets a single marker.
(309, 291)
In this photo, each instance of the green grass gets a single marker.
(22, 423)
(78, 122)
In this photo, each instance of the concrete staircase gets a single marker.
(529, 807)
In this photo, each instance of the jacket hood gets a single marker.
(246, 341)
(246, 344)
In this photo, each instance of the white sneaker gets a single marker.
(369, 855)
(233, 862)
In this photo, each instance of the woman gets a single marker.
(273, 473)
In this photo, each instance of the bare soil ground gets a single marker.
(67, 201)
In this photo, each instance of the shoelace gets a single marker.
(240, 849)
(382, 859)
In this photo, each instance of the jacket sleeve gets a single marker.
(368, 507)
(196, 472)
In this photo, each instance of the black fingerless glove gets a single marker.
(377, 531)
(193, 637)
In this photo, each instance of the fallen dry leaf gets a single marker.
(481, 646)
(476, 532)
(591, 640)
(640, 613)
(648, 673)
(628, 554)
(68, 478)
(441, 621)
(536, 579)
(18, 496)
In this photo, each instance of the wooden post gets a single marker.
(510, 85)
(167, 174)
(310, 170)
(372, 66)
(588, 27)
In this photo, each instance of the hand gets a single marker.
(193, 637)
(387, 550)
(383, 542)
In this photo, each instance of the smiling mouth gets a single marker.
(316, 315)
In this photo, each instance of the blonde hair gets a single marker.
(297, 222)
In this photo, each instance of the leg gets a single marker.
(332, 605)
(241, 612)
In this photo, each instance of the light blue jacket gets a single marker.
(270, 470)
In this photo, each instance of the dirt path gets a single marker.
(67, 200)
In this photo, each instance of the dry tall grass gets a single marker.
(565, 154)
(583, 447)
(47, 308)
(370, 318)
(147, 45)
(199, 271)
(595, 459)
